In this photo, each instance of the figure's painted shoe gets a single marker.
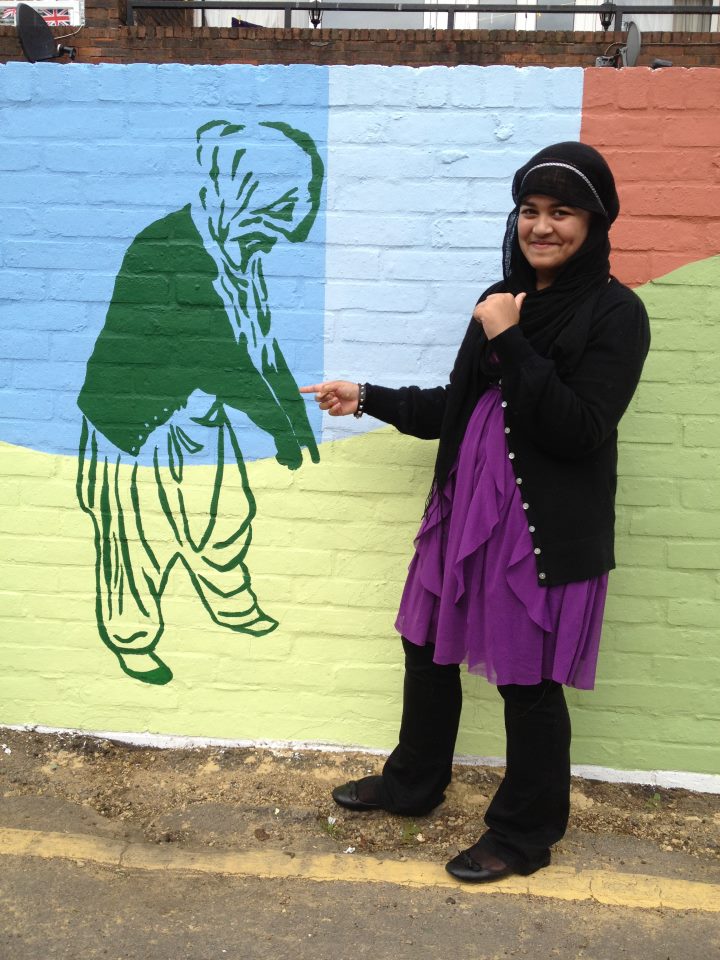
(147, 667)
(252, 620)
(236, 609)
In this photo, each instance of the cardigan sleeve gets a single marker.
(412, 410)
(571, 417)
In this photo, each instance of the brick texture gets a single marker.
(655, 129)
(417, 194)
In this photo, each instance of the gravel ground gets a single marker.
(246, 797)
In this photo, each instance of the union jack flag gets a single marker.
(53, 16)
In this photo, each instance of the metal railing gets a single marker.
(323, 6)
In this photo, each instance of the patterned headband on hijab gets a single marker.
(572, 172)
(551, 179)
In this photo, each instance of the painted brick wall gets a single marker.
(665, 613)
(415, 193)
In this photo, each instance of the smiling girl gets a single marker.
(512, 558)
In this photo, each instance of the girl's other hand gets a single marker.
(338, 397)
(498, 313)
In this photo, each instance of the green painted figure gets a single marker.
(188, 334)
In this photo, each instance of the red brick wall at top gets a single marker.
(653, 128)
(105, 38)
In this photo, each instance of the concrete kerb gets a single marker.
(560, 883)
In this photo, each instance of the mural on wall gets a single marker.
(188, 334)
(207, 317)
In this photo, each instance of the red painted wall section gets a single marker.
(660, 131)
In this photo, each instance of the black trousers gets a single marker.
(530, 809)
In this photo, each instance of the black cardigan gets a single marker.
(561, 432)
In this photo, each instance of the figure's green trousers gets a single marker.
(147, 518)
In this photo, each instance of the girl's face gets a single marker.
(549, 233)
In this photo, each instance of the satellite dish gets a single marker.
(631, 51)
(35, 37)
(625, 55)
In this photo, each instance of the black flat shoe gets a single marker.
(464, 867)
(347, 795)
(488, 868)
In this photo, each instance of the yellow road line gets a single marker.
(560, 883)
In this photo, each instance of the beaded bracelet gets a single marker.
(361, 401)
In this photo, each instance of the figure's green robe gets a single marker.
(166, 334)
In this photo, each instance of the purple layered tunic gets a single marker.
(472, 586)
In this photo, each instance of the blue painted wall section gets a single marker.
(92, 155)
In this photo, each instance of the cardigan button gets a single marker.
(518, 481)
(504, 403)
(507, 429)
(526, 506)
(541, 576)
(531, 529)
(537, 551)
(511, 456)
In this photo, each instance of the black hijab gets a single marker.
(556, 319)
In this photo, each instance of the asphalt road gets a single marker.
(60, 901)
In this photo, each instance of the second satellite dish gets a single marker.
(36, 39)
(631, 51)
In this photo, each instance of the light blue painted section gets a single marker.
(418, 167)
(421, 162)
(93, 155)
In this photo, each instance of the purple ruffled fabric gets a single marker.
(472, 585)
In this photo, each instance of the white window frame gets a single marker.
(582, 22)
(75, 7)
